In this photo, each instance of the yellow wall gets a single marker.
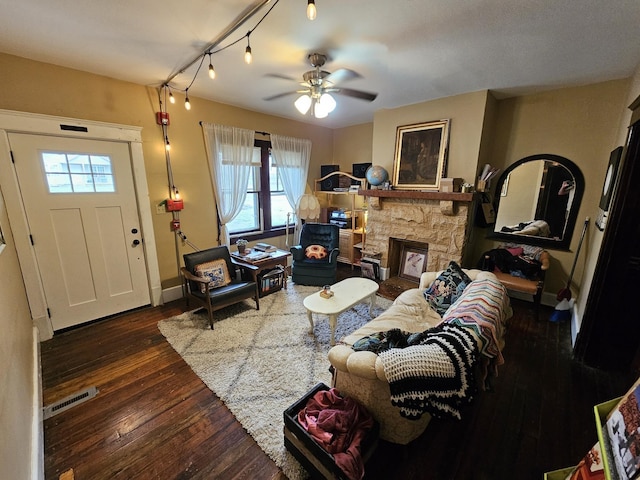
(16, 363)
(466, 113)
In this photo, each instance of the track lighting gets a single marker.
(187, 103)
(311, 10)
(212, 72)
(247, 53)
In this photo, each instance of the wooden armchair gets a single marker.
(210, 279)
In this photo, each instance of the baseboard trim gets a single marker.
(172, 293)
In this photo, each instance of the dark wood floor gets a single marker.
(154, 418)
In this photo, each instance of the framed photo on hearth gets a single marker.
(421, 155)
(413, 262)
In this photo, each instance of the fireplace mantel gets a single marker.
(417, 194)
(446, 199)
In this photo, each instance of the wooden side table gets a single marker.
(279, 257)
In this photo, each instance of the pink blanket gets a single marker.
(339, 425)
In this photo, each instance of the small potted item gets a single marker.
(241, 243)
(326, 292)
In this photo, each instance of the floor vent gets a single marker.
(68, 402)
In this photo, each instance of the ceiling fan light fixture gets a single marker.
(320, 110)
(328, 102)
(311, 10)
(303, 103)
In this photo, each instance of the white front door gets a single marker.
(80, 203)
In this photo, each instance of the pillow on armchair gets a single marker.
(317, 252)
(215, 271)
(446, 289)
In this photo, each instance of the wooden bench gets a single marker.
(523, 285)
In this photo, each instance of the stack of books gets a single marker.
(254, 256)
(264, 247)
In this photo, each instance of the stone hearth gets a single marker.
(443, 221)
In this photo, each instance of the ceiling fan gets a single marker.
(318, 85)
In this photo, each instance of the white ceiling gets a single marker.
(408, 51)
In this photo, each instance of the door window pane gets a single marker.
(81, 173)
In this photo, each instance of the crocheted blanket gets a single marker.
(436, 373)
(435, 376)
(485, 307)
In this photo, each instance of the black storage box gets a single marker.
(315, 459)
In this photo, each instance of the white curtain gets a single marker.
(230, 151)
(292, 157)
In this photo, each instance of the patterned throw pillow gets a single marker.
(446, 288)
(315, 251)
(215, 271)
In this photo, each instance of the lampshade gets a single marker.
(303, 103)
(328, 102)
(308, 207)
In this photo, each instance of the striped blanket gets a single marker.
(437, 376)
(485, 307)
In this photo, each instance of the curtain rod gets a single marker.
(257, 131)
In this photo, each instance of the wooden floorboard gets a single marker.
(154, 418)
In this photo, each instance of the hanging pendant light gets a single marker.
(247, 52)
(212, 72)
(311, 10)
(187, 103)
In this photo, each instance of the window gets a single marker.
(78, 172)
(265, 207)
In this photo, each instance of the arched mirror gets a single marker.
(537, 201)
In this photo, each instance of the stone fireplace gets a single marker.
(440, 222)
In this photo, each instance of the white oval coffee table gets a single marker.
(346, 294)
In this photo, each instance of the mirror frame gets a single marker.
(573, 212)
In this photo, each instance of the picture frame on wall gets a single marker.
(413, 262)
(608, 187)
(421, 155)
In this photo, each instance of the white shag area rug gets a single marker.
(260, 362)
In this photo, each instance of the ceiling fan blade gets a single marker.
(341, 75)
(349, 92)
(280, 76)
(280, 95)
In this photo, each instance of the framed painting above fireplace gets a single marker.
(420, 156)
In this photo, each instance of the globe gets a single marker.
(376, 175)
